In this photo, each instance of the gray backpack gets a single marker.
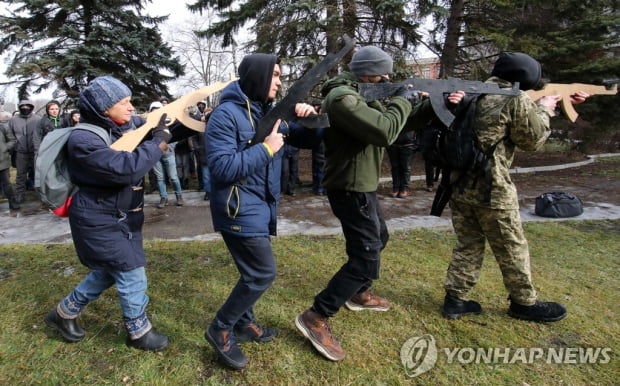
(51, 176)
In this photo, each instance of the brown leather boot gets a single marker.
(316, 328)
(367, 300)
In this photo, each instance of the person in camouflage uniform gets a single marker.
(523, 123)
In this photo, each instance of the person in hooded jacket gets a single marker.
(516, 122)
(106, 214)
(245, 190)
(24, 126)
(50, 121)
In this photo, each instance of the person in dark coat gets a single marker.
(24, 126)
(106, 214)
(7, 144)
(245, 190)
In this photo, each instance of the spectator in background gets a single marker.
(400, 153)
(318, 159)
(24, 127)
(197, 144)
(7, 144)
(182, 152)
(166, 166)
(74, 117)
(425, 140)
(199, 150)
(163, 100)
(50, 121)
(290, 169)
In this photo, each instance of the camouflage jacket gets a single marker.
(524, 124)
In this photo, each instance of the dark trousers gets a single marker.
(24, 163)
(5, 183)
(432, 173)
(290, 171)
(400, 161)
(365, 235)
(257, 268)
(318, 166)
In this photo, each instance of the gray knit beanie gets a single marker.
(371, 60)
(103, 92)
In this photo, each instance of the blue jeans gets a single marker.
(257, 268)
(168, 162)
(131, 287)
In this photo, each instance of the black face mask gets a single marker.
(25, 110)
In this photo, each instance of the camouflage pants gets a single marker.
(502, 229)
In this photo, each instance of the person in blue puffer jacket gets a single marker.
(245, 189)
(106, 214)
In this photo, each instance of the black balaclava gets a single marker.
(518, 67)
(25, 108)
(255, 75)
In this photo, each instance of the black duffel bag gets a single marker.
(558, 204)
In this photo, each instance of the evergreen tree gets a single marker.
(68, 43)
(304, 31)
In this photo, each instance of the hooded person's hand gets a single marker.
(274, 141)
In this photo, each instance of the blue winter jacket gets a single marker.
(245, 179)
(106, 214)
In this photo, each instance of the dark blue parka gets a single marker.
(106, 214)
(245, 178)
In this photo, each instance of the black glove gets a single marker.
(161, 130)
(409, 93)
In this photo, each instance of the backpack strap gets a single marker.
(100, 131)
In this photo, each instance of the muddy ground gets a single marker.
(595, 182)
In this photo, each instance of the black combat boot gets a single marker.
(538, 312)
(454, 308)
(180, 201)
(68, 328)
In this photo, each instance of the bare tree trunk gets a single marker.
(349, 22)
(451, 44)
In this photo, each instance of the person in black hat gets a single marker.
(514, 122)
(106, 214)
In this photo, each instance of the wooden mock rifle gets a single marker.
(610, 87)
(177, 110)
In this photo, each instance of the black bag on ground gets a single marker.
(558, 205)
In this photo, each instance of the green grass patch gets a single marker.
(575, 263)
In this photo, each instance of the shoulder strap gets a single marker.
(100, 131)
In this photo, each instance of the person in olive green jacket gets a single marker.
(354, 146)
(7, 146)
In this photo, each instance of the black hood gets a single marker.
(518, 67)
(255, 75)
